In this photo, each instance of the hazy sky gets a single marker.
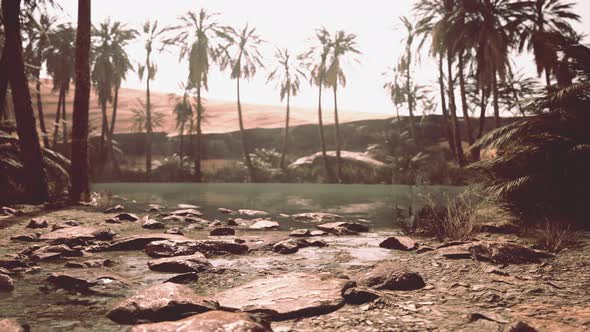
(288, 24)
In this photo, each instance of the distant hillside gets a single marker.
(220, 116)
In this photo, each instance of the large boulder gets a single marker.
(169, 248)
(73, 236)
(343, 228)
(399, 243)
(391, 276)
(287, 296)
(163, 302)
(181, 264)
(209, 321)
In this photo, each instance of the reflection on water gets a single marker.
(375, 203)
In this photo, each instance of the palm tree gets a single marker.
(243, 57)
(30, 149)
(60, 66)
(140, 117)
(152, 34)
(405, 65)
(540, 19)
(342, 45)
(395, 90)
(79, 170)
(199, 37)
(183, 110)
(320, 53)
(288, 73)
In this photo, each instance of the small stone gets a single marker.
(252, 213)
(127, 217)
(520, 326)
(343, 228)
(174, 230)
(423, 249)
(226, 211)
(286, 247)
(11, 325)
(7, 211)
(188, 206)
(112, 221)
(399, 243)
(300, 233)
(115, 209)
(231, 222)
(391, 276)
(318, 233)
(181, 264)
(360, 295)
(6, 283)
(265, 225)
(38, 223)
(222, 231)
(317, 243)
(31, 237)
(187, 213)
(317, 217)
(184, 279)
(152, 224)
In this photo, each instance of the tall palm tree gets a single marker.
(395, 90)
(242, 56)
(319, 55)
(199, 37)
(152, 34)
(288, 73)
(60, 66)
(79, 169)
(405, 65)
(30, 149)
(183, 111)
(342, 45)
(541, 18)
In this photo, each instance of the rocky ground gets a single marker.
(83, 269)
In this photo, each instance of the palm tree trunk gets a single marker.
(104, 135)
(245, 152)
(454, 120)
(338, 142)
(547, 78)
(181, 144)
(198, 176)
(445, 111)
(286, 137)
(410, 103)
(114, 116)
(327, 168)
(30, 149)
(40, 111)
(148, 112)
(464, 104)
(496, 105)
(3, 84)
(64, 119)
(57, 117)
(79, 169)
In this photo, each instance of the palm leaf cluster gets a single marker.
(540, 163)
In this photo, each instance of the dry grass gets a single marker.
(555, 237)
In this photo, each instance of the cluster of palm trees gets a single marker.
(473, 42)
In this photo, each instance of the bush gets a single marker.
(555, 236)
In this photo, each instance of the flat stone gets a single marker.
(184, 278)
(127, 217)
(222, 231)
(181, 264)
(154, 208)
(500, 227)
(174, 230)
(38, 223)
(138, 242)
(265, 225)
(318, 233)
(30, 237)
(505, 253)
(51, 252)
(188, 206)
(226, 211)
(360, 295)
(209, 321)
(6, 283)
(84, 279)
(12, 262)
(151, 223)
(77, 235)
(316, 243)
(91, 264)
(286, 247)
(187, 213)
(252, 213)
(11, 325)
(7, 211)
(115, 209)
(164, 302)
(169, 248)
(287, 296)
(300, 233)
(317, 217)
(391, 276)
(65, 224)
(399, 243)
(343, 228)
(112, 221)
(455, 252)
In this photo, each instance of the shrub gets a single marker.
(555, 236)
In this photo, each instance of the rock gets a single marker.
(11, 325)
(215, 223)
(164, 302)
(226, 211)
(505, 253)
(188, 206)
(154, 208)
(91, 263)
(287, 296)
(138, 242)
(391, 276)
(127, 217)
(286, 247)
(7, 211)
(12, 262)
(222, 231)
(423, 249)
(38, 223)
(53, 252)
(265, 225)
(318, 233)
(399, 243)
(300, 233)
(169, 248)
(316, 243)
(231, 222)
(112, 221)
(115, 209)
(151, 223)
(84, 279)
(317, 217)
(343, 228)
(360, 295)
(6, 283)
(65, 224)
(181, 264)
(520, 326)
(187, 213)
(253, 213)
(455, 252)
(501, 227)
(30, 237)
(184, 279)
(73, 236)
(174, 230)
(210, 321)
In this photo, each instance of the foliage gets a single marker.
(140, 123)
(554, 236)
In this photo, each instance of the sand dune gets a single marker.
(220, 116)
